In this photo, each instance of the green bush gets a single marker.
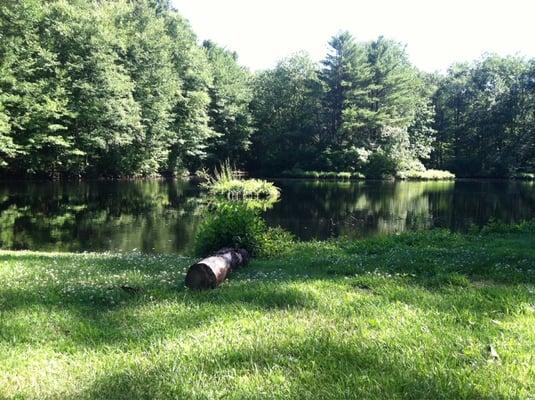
(276, 242)
(330, 175)
(357, 175)
(495, 226)
(380, 166)
(230, 225)
(235, 224)
(311, 174)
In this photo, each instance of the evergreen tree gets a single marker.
(343, 73)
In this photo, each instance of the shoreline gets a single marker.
(268, 177)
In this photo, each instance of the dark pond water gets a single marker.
(160, 216)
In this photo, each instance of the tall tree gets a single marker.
(344, 70)
(34, 92)
(231, 94)
(287, 113)
(190, 125)
(482, 110)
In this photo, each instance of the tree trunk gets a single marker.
(210, 272)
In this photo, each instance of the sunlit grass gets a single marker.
(298, 173)
(426, 175)
(411, 174)
(528, 176)
(395, 317)
(227, 182)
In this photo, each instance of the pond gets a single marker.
(162, 216)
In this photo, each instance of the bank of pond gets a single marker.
(415, 175)
(418, 175)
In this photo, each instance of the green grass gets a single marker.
(297, 173)
(528, 176)
(397, 317)
(413, 174)
(426, 175)
(245, 189)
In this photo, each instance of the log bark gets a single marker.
(210, 272)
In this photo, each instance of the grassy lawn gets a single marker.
(429, 315)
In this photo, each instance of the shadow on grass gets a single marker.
(112, 316)
(433, 274)
(311, 368)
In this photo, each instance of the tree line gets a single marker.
(118, 88)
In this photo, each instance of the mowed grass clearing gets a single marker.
(430, 315)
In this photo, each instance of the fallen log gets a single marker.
(210, 272)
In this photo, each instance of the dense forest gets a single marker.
(117, 88)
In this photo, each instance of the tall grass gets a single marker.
(527, 176)
(425, 175)
(226, 181)
(411, 174)
(344, 175)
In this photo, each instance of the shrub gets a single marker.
(298, 173)
(237, 225)
(329, 175)
(231, 225)
(276, 242)
(380, 165)
(495, 226)
(311, 174)
(357, 175)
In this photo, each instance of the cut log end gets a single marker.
(210, 272)
(200, 276)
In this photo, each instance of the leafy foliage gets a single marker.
(287, 114)
(110, 89)
(485, 117)
(230, 94)
(372, 104)
(123, 88)
(238, 225)
(231, 224)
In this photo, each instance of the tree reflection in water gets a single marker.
(162, 216)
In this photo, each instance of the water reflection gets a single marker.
(150, 216)
(358, 209)
(162, 216)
